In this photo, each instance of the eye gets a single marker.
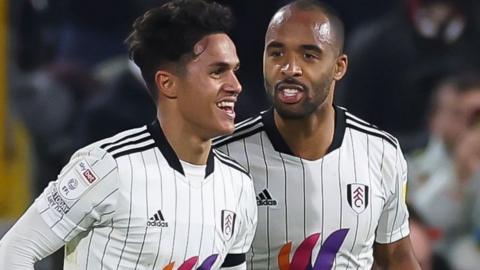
(275, 53)
(216, 73)
(310, 56)
(236, 70)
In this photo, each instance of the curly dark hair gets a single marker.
(166, 35)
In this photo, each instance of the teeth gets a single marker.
(226, 104)
(290, 92)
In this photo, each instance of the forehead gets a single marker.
(294, 26)
(215, 48)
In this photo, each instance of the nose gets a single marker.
(233, 85)
(291, 68)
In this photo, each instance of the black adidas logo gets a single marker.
(157, 220)
(264, 198)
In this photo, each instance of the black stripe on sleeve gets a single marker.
(230, 162)
(118, 146)
(239, 129)
(237, 137)
(134, 150)
(383, 136)
(363, 123)
(234, 260)
(124, 138)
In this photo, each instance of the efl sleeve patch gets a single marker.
(71, 187)
(85, 190)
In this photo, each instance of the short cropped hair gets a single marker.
(332, 15)
(166, 35)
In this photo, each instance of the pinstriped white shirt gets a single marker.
(325, 213)
(127, 203)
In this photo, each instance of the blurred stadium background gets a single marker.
(65, 81)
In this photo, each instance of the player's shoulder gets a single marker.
(95, 162)
(363, 127)
(382, 146)
(106, 151)
(127, 142)
(243, 129)
(228, 161)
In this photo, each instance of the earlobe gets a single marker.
(341, 67)
(165, 82)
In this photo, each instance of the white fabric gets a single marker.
(132, 210)
(303, 203)
(197, 172)
(27, 242)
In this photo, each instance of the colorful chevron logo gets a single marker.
(191, 262)
(302, 257)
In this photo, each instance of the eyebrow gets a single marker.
(310, 47)
(314, 48)
(225, 65)
(275, 44)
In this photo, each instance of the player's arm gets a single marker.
(83, 194)
(27, 242)
(393, 249)
(397, 255)
(236, 258)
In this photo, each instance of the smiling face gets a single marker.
(301, 61)
(208, 88)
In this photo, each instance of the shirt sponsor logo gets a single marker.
(265, 199)
(86, 171)
(89, 176)
(56, 202)
(157, 220)
(228, 224)
(302, 257)
(191, 262)
(357, 197)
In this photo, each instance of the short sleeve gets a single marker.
(393, 223)
(83, 195)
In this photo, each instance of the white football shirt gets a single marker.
(127, 202)
(325, 213)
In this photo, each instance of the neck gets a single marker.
(188, 145)
(316, 130)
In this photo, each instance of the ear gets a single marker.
(166, 84)
(340, 67)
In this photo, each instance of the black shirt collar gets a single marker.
(168, 152)
(279, 143)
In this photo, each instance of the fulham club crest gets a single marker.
(228, 224)
(357, 196)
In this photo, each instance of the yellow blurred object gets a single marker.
(15, 175)
(14, 150)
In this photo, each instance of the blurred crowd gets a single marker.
(413, 71)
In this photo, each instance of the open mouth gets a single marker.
(228, 107)
(290, 93)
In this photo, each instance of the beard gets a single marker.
(308, 105)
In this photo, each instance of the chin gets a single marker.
(224, 129)
(290, 112)
(228, 129)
